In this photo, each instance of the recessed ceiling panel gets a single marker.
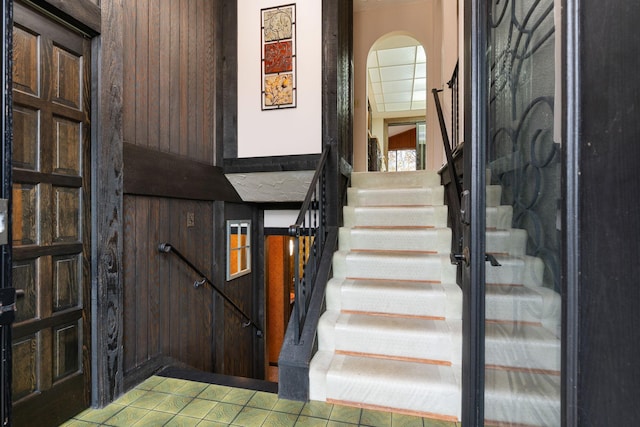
(421, 71)
(397, 97)
(374, 75)
(397, 86)
(398, 72)
(420, 55)
(418, 105)
(419, 95)
(401, 55)
(397, 106)
(377, 87)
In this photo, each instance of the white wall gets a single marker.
(421, 20)
(287, 131)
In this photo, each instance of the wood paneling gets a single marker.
(168, 98)
(165, 315)
(403, 141)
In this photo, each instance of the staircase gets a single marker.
(390, 338)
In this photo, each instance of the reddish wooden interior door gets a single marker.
(51, 219)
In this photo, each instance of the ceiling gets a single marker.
(359, 5)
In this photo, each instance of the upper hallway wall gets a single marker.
(292, 130)
(422, 20)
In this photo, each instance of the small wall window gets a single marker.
(238, 248)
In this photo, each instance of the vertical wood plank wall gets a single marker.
(168, 105)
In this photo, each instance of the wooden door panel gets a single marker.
(51, 234)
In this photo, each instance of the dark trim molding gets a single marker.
(227, 85)
(272, 164)
(83, 15)
(153, 173)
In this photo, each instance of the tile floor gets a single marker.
(160, 401)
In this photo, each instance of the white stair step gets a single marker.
(512, 241)
(395, 196)
(406, 239)
(394, 266)
(395, 337)
(409, 386)
(411, 298)
(392, 216)
(522, 398)
(522, 303)
(526, 270)
(522, 346)
(395, 179)
(494, 195)
(499, 217)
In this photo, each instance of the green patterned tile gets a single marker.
(400, 420)
(263, 400)
(127, 417)
(304, 421)
(191, 389)
(223, 412)
(198, 408)
(340, 424)
(154, 419)
(288, 406)
(99, 415)
(207, 423)
(250, 417)
(130, 396)
(150, 382)
(345, 414)
(280, 419)
(239, 396)
(428, 422)
(317, 409)
(373, 418)
(183, 421)
(78, 423)
(173, 404)
(149, 400)
(214, 392)
(170, 385)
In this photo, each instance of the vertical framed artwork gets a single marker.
(278, 57)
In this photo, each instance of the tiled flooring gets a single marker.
(160, 401)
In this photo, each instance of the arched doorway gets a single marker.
(396, 93)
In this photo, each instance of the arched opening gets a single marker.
(396, 94)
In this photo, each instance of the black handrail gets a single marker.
(310, 229)
(453, 175)
(168, 248)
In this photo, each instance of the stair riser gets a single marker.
(426, 240)
(538, 305)
(395, 180)
(512, 242)
(528, 355)
(375, 266)
(499, 217)
(410, 299)
(435, 216)
(433, 196)
(527, 271)
(420, 339)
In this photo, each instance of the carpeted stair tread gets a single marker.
(522, 303)
(522, 398)
(404, 266)
(394, 239)
(437, 341)
(525, 270)
(389, 216)
(398, 384)
(412, 298)
(395, 179)
(521, 345)
(395, 196)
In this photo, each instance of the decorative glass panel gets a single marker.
(68, 137)
(25, 214)
(66, 354)
(24, 378)
(66, 214)
(66, 280)
(67, 77)
(26, 125)
(24, 278)
(238, 248)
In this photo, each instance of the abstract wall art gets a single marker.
(278, 57)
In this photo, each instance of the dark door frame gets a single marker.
(5, 193)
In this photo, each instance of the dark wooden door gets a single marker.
(51, 219)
